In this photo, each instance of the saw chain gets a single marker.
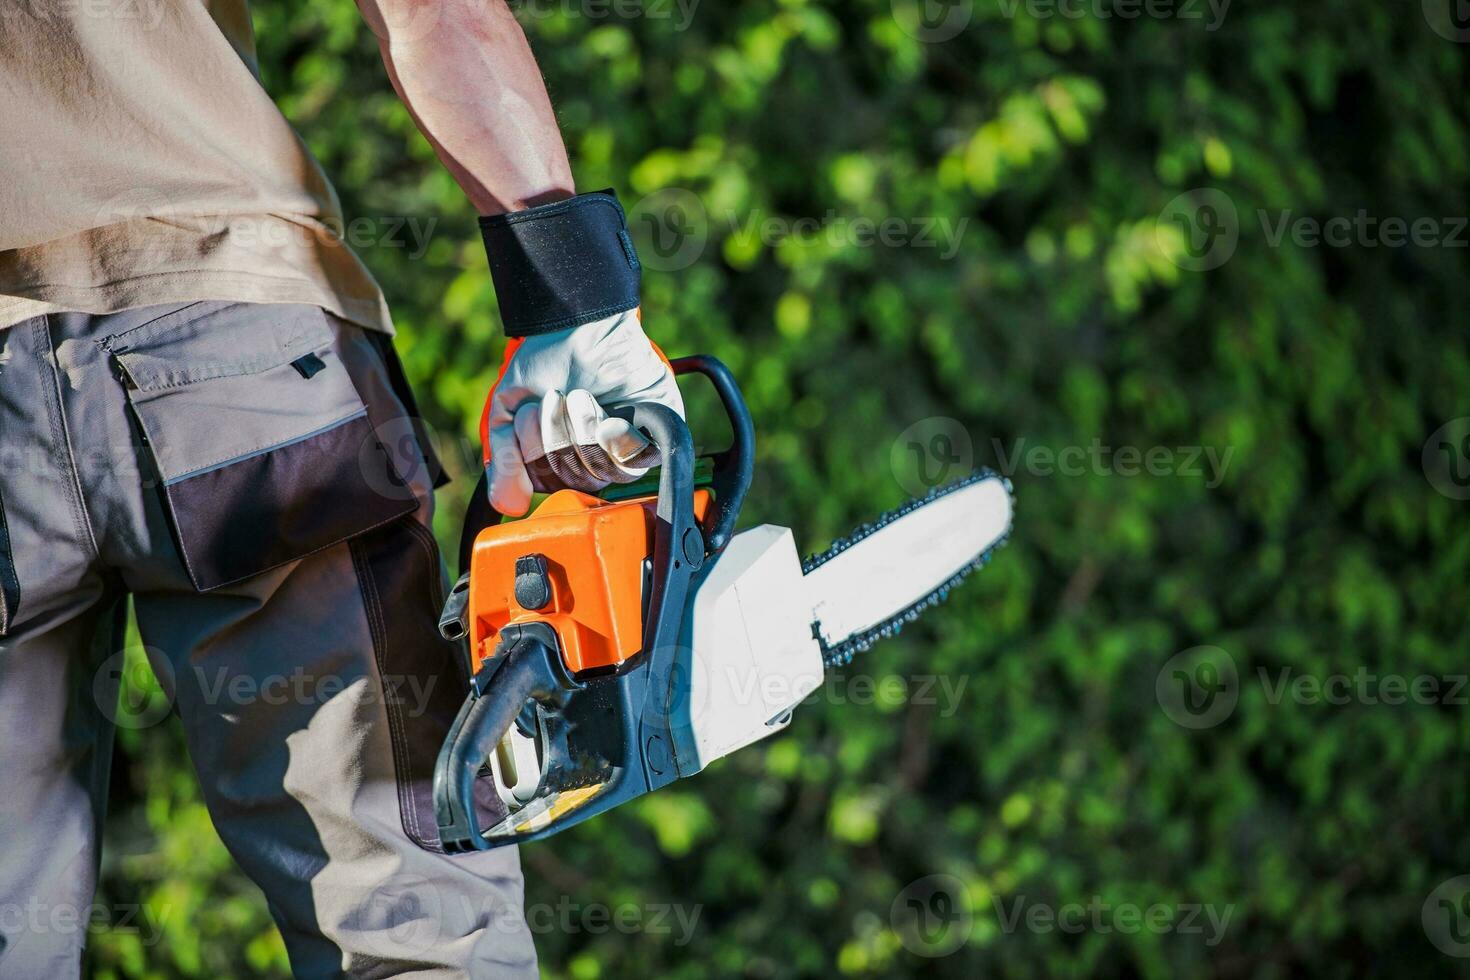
(841, 654)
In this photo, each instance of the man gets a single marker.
(195, 384)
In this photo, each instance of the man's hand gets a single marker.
(556, 416)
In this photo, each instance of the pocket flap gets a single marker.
(208, 392)
(203, 342)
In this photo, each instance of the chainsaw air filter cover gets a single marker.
(577, 564)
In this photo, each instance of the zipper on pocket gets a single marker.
(9, 582)
(120, 371)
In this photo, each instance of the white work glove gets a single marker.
(556, 418)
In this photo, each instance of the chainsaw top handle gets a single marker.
(733, 468)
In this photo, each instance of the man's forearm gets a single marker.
(469, 79)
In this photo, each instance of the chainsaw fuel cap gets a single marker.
(533, 585)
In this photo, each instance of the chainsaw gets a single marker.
(618, 643)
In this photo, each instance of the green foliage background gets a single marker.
(1062, 318)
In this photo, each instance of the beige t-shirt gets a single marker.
(141, 162)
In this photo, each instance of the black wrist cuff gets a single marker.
(562, 264)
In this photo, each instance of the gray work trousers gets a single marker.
(251, 475)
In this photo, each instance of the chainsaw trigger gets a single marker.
(526, 720)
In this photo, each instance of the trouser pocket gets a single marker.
(9, 582)
(257, 435)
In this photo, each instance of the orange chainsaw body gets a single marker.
(593, 550)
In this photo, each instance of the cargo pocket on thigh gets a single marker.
(257, 434)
